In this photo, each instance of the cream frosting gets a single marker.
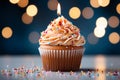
(62, 32)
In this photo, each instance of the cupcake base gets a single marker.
(61, 58)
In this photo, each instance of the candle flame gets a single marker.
(59, 9)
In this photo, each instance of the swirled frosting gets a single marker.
(62, 32)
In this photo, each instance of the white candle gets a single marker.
(59, 9)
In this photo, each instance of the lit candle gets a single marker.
(59, 9)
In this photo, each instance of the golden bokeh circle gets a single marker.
(114, 38)
(99, 32)
(100, 63)
(87, 12)
(94, 3)
(118, 8)
(74, 12)
(103, 3)
(101, 22)
(113, 21)
(14, 1)
(23, 3)
(27, 19)
(7, 32)
(32, 10)
(52, 4)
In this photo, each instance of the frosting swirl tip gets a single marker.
(62, 32)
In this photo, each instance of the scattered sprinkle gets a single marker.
(38, 73)
(48, 43)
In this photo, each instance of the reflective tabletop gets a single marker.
(30, 68)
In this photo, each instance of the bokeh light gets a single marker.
(32, 10)
(100, 64)
(27, 19)
(14, 1)
(99, 32)
(113, 21)
(34, 37)
(92, 39)
(52, 4)
(103, 3)
(118, 8)
(101, 22)
(74, 12)
(87, 12)
(7, 32)
(94, 3)
(23, 3)
(114, 38)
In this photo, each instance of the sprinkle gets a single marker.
(3, 72)
(48, 43)
(97, 70)
(115, 74)
(35, 72)
(97, 74)
(72, 42)
(45, 32)
(70, 36)
(50, 29)
(7, 66)
(38, 75)
(57, 28)
(62, 73)
(60, 23)
(102, 71)
(71, 72)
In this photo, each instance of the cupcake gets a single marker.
(61, 46)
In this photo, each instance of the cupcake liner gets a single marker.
(61, 60)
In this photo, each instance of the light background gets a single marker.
(24, 38)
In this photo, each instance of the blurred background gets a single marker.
(22, 21)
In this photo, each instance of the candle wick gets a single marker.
(59, 14)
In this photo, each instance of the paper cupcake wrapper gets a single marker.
(46, 51)
(61, 60)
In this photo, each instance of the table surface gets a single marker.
(88, 62)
